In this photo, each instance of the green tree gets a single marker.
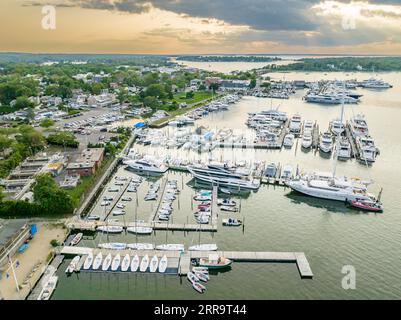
(5, 143)
(214, 87)
(22, 103)
(151, 102)
(46, 122)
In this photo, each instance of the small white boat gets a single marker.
(140, 246)
(163, 264)
(202, 219)
(93, 217)
(105, 203)
(307, 140)
(232, 222)
(202, 276)
(125, 264)
(200, 269)
(116, 263)
(203, 247)
(118, 212)
(106, 262)
(88, 261)
(73, 264)
(229, 209)
(288, 140)
(97, 261)
(192, 277)
(171, 247)
(198, 287)
(48, 289)
(134, 264)
(120, 206)
(150, 197)
(144, 264)
(110, 229)
(225, 190)
(126, 199)
(226, 202)
(77, 238)
(140, 230)
(113, 246)
(203, 198)
(154, 263)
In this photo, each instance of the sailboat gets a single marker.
(329, 186)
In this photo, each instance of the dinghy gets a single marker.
(226, 202)
(154, 263)
(77, 238)
(202, 276)
(125, 264)
(140, 230)
(113, 246)
(163, 264)
(140, 246)
(88, 261)
(203, 247)
(144, 264)
(200, 269)
(171, 247)
(118, 212)
(116, 263)
(192, 277)
(228, 208)
(107, 263)
(198, 287)
(134, 264)
(98, 261)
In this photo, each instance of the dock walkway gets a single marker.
(184, 259)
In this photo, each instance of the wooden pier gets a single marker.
(315, 136)
(184, 258)
(153, 214)
(354, 149)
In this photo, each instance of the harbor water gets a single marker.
(330, 234)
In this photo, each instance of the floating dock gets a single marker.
(183, 259)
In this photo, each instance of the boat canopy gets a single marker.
(139, 125)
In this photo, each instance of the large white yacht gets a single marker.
(326, 186)
(373, 83)
(337, 127)
(329, 98)
(358, 126)
(295, 124)
(367, 148)
(146, 166)
(223, 175)
(326, 142)
(343, 149)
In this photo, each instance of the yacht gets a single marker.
(344, 149)
(367, 148)
(295, 124)
(275, 115)
(48, 288)
(288, 140)
(327, 186)
(373, 83)
(330, 98)
(146, 167)
(307, 140)
(358, 126)
(326, 142)
(308, 126)
(337, 127)
(223, 176)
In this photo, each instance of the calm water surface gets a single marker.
(278, 220)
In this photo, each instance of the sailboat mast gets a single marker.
(339, 131)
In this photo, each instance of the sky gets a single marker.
(201, 26)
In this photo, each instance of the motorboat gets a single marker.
(108, 198)
(286, 172)
(222, 176)
(107, 262)
(48, 288)
(120, 206)
(326, 142)
(344, 149)
(163, 217)
(140, 246)
(373, 206)
(337, 127)
(202, 219)
(72, 265)
(226, 202)
(198, 287)
(77, 238)
(113, 246)
(116, 263)
(192, 277)
(118, 212)
(307, 140)
(105, 203)
(295, 124)
(154, 263)
(146, 167)
(202, 276)
(170, 247)
(271, 170)
(134, 264)
(110, 229)
(232, 222)
(140, 230)
(373, 83)
(93, 217)
(367, 148)
(125, 264)
(288, 140)
(214, 261)
(88, 261)
(204, 205)
(97, 262)
(203, 247)
(358, 126)
(151, 196)
(144, 264)
(163, 264)
(126, 199)
(308, 126)
(200, 197)
(113, 189)
(228, 208)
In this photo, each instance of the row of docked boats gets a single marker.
(268, 125)
(170, 194)
(120, 264)
(150, 246)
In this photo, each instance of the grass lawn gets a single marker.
(198, 96)
(78, 191)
